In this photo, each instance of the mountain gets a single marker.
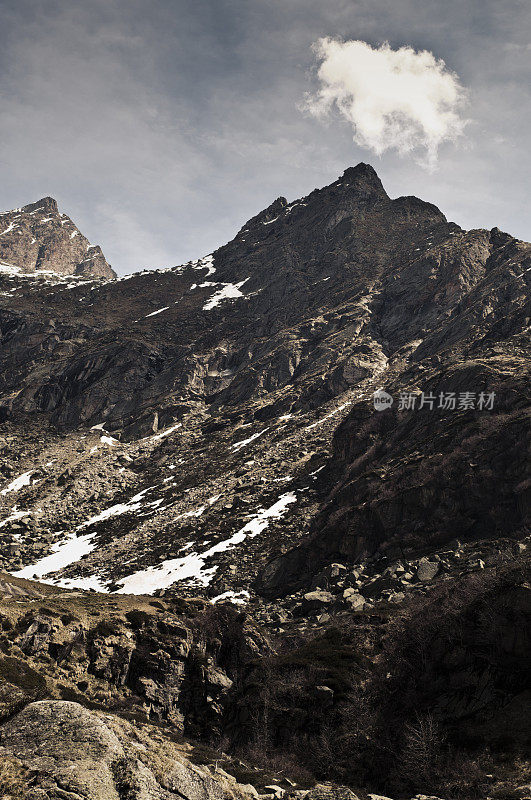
(37, 239)
(207, 434)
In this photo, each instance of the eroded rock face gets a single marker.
(38, 239)
(73, 752)
(149, 660)
(404, 481)
(141, 656)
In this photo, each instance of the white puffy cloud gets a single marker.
(394, 99)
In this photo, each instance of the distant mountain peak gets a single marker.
(48, 204)
(38, 239)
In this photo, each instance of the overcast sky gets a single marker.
(162, 126)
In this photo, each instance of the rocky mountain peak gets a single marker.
(37, 238)
(268, 214)
(364, 180)
(48, 204)
(499, 238)
(208, 438)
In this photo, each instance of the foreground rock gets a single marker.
(173, 663)
(67, 752)
(314, 702)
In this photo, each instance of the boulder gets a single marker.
(427, 570)
(73, 752)
(354, 599)
(314, 601)
(275, 791)
(325, 791)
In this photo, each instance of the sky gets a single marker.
(161, 127)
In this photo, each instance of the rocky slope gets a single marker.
(153, 424)
(175, 697)
(208, 432)
(37, 239)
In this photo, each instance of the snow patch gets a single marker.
(229, 291)
(154, 313)
(14, 516)
(239, 445)
(332, 413)
(192, 566)
(92, 582)
(119, 508)
(317, 471)
(10, 227)
(208, 262)
(196, 513)
(63, 553)
(109, 440)
(165, 433)
(18, 483)
(9, 269)
(239, 598)
(293, 205)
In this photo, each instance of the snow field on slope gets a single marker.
(192, 566)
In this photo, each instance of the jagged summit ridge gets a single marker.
(37, 238)
(44, 204)
(359, 183)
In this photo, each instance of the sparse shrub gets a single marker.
(279, 710)
(138, 618)
(387, 726)
(422, 753)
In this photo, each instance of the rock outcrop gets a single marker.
(66, 751)
(175, 663)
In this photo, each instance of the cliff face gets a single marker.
(38, 239)
(407, 483)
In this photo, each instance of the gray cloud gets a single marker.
(162, 128)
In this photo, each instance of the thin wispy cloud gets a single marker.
(400, 99)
